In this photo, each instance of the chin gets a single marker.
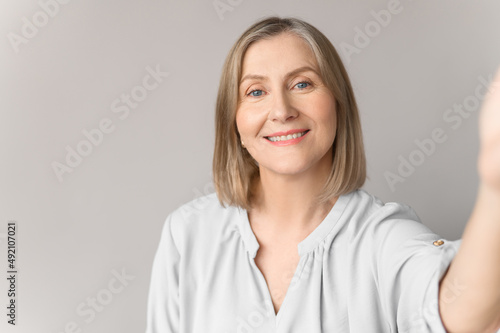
(288, 168)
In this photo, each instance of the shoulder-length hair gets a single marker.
(234, 169)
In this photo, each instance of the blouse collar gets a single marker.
(311, 241)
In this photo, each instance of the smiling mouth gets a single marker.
(286, 137)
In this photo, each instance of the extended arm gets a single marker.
(469, 293)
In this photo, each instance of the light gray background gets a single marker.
(107, 214)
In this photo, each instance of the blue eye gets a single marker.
(251, 93)
(303, 82)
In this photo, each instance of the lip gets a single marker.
(287, 132)
(288, 142)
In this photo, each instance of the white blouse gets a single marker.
(368, 267)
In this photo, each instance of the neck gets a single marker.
(287, 202)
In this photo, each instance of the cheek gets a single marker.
(241, 122)
(247, 122)
(328, 117)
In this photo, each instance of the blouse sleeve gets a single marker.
(163, 299)
(411, 260)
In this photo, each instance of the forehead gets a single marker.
(279, 53)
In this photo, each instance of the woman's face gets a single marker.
(281, 90)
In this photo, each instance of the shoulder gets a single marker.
(206, 204)
(370, 206)
(387, 234)
(201, 220)
(381, 220)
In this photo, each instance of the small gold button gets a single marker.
(438, 243)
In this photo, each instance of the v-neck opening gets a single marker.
(305, 246)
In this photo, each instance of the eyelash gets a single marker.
(309, 83)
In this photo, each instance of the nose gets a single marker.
(282, 108)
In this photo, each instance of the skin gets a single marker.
(290, 176)
(469, 294)
(283, 212)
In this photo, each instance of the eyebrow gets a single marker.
(292, 73)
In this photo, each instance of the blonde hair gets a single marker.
(234, 169)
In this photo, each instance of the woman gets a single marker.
(289, 242)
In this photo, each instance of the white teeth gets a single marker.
(286, 137)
